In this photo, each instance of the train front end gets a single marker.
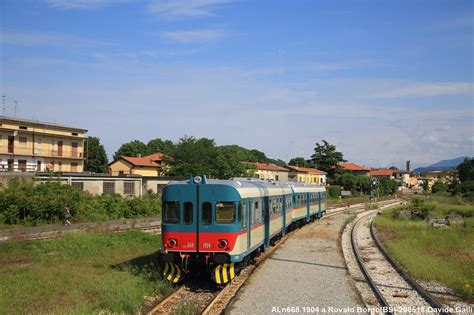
(201, 229)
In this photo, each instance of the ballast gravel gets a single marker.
(306, 274)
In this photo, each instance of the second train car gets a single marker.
(221, 225)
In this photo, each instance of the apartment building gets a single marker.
(34, 146)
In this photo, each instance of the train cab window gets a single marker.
(225, 212)
(188, 213)
(171, 212)
(206, 213)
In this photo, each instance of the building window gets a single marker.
(60, 166)
(276, 177)
(74, 167)
(159, 189)
(38, 166)
(128, 188)
(74, 133)
(23, 141)
(78, 185)
(23, 127)
(22, 165)
(108, 188)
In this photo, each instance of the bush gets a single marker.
(334, 191)
(24, 201)
(439, 187)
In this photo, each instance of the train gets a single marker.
(221, 226)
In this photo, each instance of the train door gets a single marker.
(319, 204)
(248, 218)
(308, 206)
(190, 217)
(284, 209)
(266, 220)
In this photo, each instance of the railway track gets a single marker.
(202, 297)
(395, 290)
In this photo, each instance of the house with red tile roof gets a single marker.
(268, 171)
(387, 173)
(307, 175)
(354, 168)
(148, 165)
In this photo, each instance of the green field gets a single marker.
(80, 274)
(429, 253)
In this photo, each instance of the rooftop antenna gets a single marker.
(3, 104)
(16, 105)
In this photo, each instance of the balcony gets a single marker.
(65, 153)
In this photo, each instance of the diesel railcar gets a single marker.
(221, 225)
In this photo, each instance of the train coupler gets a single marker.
(173, 272)
(224, 273)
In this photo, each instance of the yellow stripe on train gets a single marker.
(218, 276)
(228, 273)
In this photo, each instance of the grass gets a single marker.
(79, 274)
(429, 253)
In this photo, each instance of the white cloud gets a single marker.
(82, 4)
(40, 38)
(228, 101)
(426, 89)
(172, 9)
(195, 36)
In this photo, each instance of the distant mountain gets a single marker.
(441, 165)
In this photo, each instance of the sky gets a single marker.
(384, 81)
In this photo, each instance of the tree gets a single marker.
(277, 162)
(162, 146)
(363, 184)
(466, 170)
(299, 161)
(258, 156)
(97, 160)
(228, 162)
(325, 157)
(194, 157)
(348, 181)
(387, 186)
(132, 148)
(425, 185)
(439, 187)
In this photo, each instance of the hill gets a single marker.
(441, 165)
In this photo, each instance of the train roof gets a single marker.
(254, 188)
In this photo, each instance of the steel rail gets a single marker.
(378, 295)
(253, 267)
(417, 287)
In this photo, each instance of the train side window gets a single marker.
(188, 213)
(171, 212)
(225, 212)
(206, 213)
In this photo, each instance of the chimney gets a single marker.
(408, 166)
(139, 155)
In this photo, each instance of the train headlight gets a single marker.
(172, 243)
(197, 179)
(222, 244)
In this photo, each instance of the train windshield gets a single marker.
(171, 212)
(225, 212)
